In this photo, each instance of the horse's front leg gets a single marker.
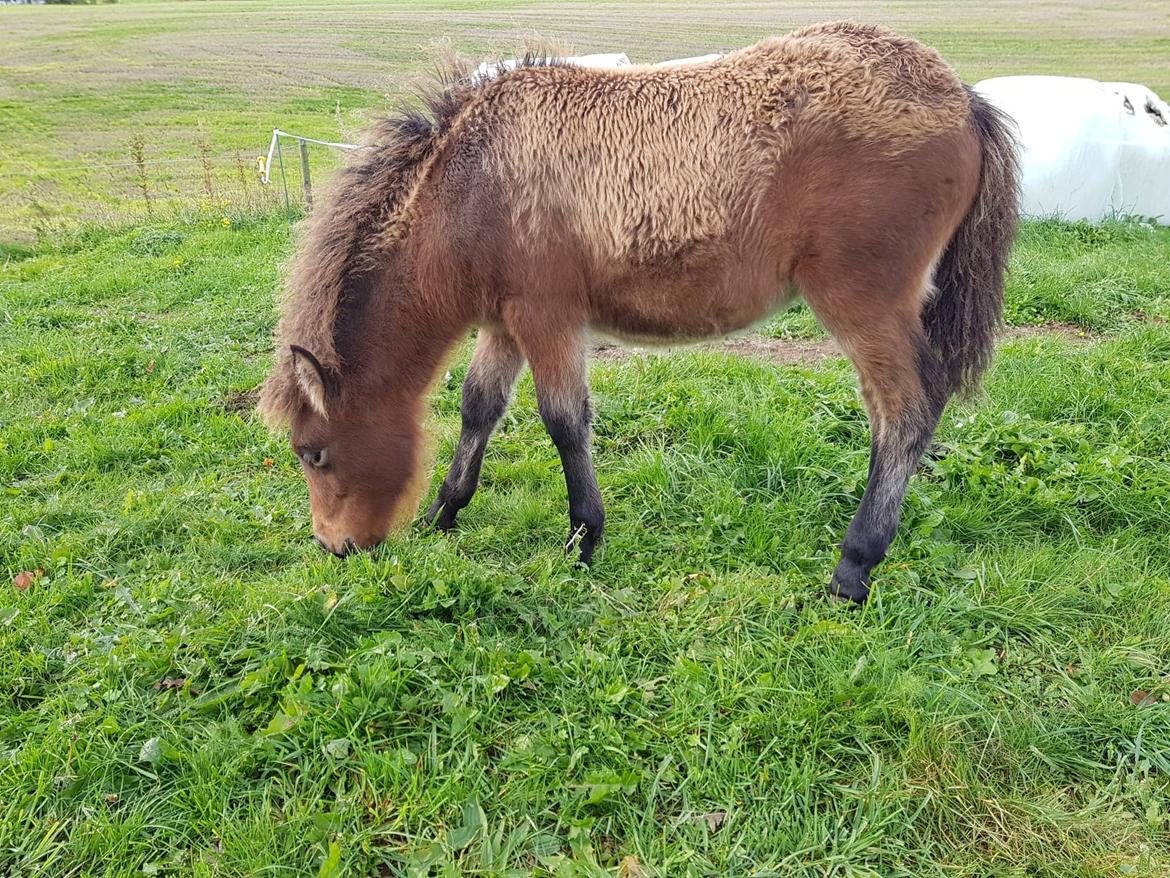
(557, 359)
(486, 392)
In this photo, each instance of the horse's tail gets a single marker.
(962, 317)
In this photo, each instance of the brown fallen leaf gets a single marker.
(111, 798)
(24, 580)
(713, 819)
(171, 683)
(1142, 698)
(630, 867)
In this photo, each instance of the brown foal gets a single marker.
(841, 163)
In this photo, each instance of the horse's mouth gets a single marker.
(348, 547)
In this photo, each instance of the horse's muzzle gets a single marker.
(348, 546)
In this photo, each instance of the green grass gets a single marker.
(192, 688)
(189, 687)
(204, 84)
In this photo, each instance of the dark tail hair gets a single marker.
(962, 318)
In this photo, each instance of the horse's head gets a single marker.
(361, 458)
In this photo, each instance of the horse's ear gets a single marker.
(310, 378)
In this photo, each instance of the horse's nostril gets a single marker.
(348, 546)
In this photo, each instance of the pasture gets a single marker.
(188, 686)
(96, 103)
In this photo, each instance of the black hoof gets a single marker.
(441, 515)
(849, 583)
(583, 538)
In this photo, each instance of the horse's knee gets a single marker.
(568, 422)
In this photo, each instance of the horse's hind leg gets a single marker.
(905, 393)
(486, 392)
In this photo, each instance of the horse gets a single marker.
(840, 163)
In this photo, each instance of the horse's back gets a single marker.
(645, 160)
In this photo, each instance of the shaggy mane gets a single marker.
(355, 220)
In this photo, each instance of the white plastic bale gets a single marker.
(491, 69)
(1141, 100)
(697, 59)
(1144, 177)
(1089, 150)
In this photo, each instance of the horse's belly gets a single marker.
(686, 307)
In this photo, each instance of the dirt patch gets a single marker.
(1068, 330)
(1156, 320)
(240, 401)
(781, 351)
(804, 351)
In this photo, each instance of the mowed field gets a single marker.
(188, 686)
(180, 97)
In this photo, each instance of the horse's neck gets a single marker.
(409, 343)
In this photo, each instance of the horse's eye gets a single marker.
(314, 457)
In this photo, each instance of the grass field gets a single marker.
(188, 686)
(201, 85)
